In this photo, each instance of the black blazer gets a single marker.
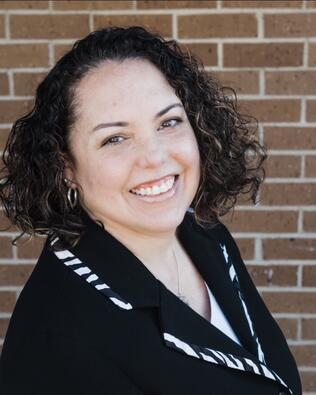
(94, 320)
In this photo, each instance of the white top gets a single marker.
(218, 318)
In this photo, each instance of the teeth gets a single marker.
(156, 189)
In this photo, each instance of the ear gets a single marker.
(68, 172)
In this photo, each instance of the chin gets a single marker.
(162, 223)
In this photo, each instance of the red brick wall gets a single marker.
(266, 50)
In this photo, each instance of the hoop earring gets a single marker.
(72, 199)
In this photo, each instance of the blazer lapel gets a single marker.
(108, 266)
(187, 332)
(208, 258)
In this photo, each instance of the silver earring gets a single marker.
(72, 194)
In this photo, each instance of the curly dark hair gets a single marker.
(32, 187)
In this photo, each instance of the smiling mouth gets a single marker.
(157, 189)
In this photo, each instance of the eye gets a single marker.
(113, 140)
(172, 122)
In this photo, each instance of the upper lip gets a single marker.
(152, 182)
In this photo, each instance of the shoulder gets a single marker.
(47, 275)
(41, 299)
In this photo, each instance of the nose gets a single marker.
(151, 152)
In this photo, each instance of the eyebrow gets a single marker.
(159, 114)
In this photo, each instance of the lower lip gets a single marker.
(161, 197)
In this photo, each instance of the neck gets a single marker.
(156, 251)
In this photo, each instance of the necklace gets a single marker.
(180, 296)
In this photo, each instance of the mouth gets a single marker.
(158, 192)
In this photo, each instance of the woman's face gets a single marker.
(131, 129)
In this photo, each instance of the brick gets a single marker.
(246, 247)
(288, 327)
(29, 4)
(10, 110)
(308, 381)
(6, 225)
(30, 248)
(310, 166)
(243, 82)
(49, 26)
(290, 138)
(262, 4)
(142, 4)
(263, 55)
(263, 275)
(2, 28)
(7, 301)
(4, 323)
(309, 221)
(4, 84)
(290, 25)
(283, 166)
(23, 55)
(91, 5)
(5, 247)
(206, 52)
(60, 50)
(312, 54)
(244, 199)
(311, 110)
(291, 194)
(261, 221)
(290, 302)
(291, 82)
(272, 110)
(304, 355)
(225, 25)
(159, 23)
(309, 328)
(15, 274)
(4, 133)
(289, 248)
(25, 84)
(310, 3)
(309, 274)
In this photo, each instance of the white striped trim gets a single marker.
(228, 360)
(234, 278)
(180, 344)
(82, 270)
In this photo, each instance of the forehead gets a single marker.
(120, 86)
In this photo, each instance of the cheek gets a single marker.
(103, 176)
(188, 150)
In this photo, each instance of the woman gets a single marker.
(127, 160)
